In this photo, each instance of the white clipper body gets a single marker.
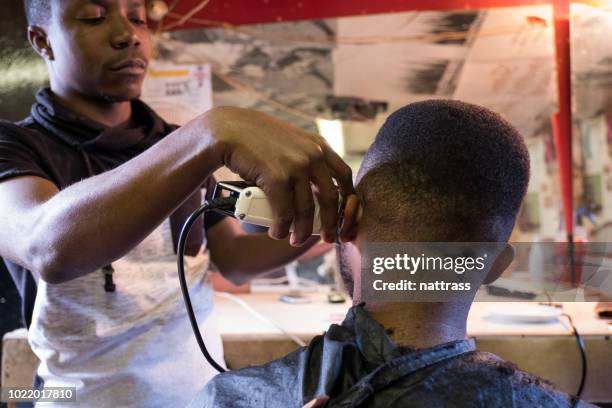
(253, 207)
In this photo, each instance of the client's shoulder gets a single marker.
(492, 378)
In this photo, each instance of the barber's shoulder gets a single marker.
(7, 127)
(20, 130)
(169, 128)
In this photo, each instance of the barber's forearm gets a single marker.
(253, 254)
(97, 220)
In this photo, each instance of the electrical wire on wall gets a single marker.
(187, 16)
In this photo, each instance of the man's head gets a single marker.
(97, 49)
(37, 12)
(440, 171)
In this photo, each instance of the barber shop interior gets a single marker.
(306, 203)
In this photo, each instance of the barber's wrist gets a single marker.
(217, 132)
(205, 135)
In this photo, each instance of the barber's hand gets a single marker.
(317, 402)
(350, 222)
(288, 164)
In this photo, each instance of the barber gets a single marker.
(93, 187)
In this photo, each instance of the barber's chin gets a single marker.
(125, 95)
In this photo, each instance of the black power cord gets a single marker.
(580, 342)
(221, 203)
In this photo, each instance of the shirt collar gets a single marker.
(81, 132)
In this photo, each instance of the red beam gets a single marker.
(562, 120)
(261, 11)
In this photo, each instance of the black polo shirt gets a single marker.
(65, 147)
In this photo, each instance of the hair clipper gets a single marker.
(252, 205)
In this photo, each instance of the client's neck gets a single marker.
(421, 325)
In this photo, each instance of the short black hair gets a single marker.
(37, 11)
(444, 170)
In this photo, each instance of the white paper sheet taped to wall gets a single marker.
(178, 92)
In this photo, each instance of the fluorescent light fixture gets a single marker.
(332, 132)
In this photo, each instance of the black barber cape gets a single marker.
(358, 365)
(64, 147)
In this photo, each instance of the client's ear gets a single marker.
(352, 217)
(503, 260)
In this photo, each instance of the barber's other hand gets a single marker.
(285, 162)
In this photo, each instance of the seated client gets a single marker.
(438, 171)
